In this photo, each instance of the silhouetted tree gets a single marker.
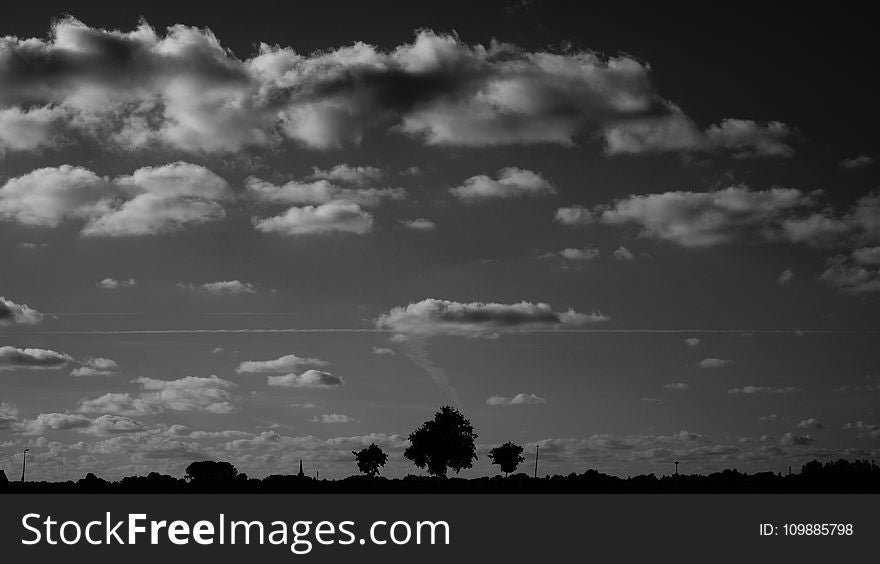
(370, 459)
(447, 441)
(507, 456)
(210, 471)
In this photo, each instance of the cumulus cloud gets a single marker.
(676, 133)
(190, 393)
(714, 363)
(12, 313)
(347, 174)
(585, 254)
(419, 224)
(510, 182)
(574, 215)
(8, 415)
(383, 351)
(308, 379)
(797, 440)
(96, 367)
(865, 429)
(54, 422)
(286, 363)
(338, 216)
(113, 284)
(331, 418)
(857, 162)
(852, 275)
(319, 192)
(692, 341)
(785, 277)
(223, 288)
(150, 201)
(518, 399)
(703, 219)
(680, 386)
(184, 90)
(860, 225)
(623, 254)
(811, 423)
(432, 317)
(754, 390)
(12, 358)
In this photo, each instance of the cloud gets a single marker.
(623, 254)
(184, 90)
(383, 351)
(339, 216)
(432, 317)
(771, 417)
(113, 284)
(304, 405)
(785, 277)
(859, 225)
(96, 367)
(518, 399)
(692, 341)
(308, 379)
(419, 224)
(797, 440)
(190, 393)
(8, 415)
(45, 422)
(223, 288)
(811, 423)
(150, 201)
(12, 313)
(846, 275)
(319, 192)
(681, 386)
(703, 219)
(286, 363)
(113, 425)
(754, 390)
(714, 363)
(676, 133)
(357, 175)
(865, 429)
(331, 418)
(872, 384)
(28, 129)
(12, 358)
(585, 254)
(510, 182)
(867, 255)
(855, 163)
(574, 215)
(656, 401)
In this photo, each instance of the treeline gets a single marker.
(842, 476)
(448, 442)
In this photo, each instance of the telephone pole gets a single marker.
(537, 452)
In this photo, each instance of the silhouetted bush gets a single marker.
(370, 459)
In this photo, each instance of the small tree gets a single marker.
(210, 471)
(447, 441)
(507, 456)
(370, 459)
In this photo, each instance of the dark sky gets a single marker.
(628, 234)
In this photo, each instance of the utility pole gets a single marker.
(537, 452)
(23, 463)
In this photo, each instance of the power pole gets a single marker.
(23, 463)
(537, 452)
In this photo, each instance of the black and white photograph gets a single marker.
(512, 247)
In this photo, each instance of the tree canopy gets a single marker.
(446, 441)
(507, 456)
(370, 459)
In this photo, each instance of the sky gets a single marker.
(625, 236)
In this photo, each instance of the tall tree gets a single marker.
(370, 459)
(507, 456)
(446, 441)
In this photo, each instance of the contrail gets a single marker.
(417, 352)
